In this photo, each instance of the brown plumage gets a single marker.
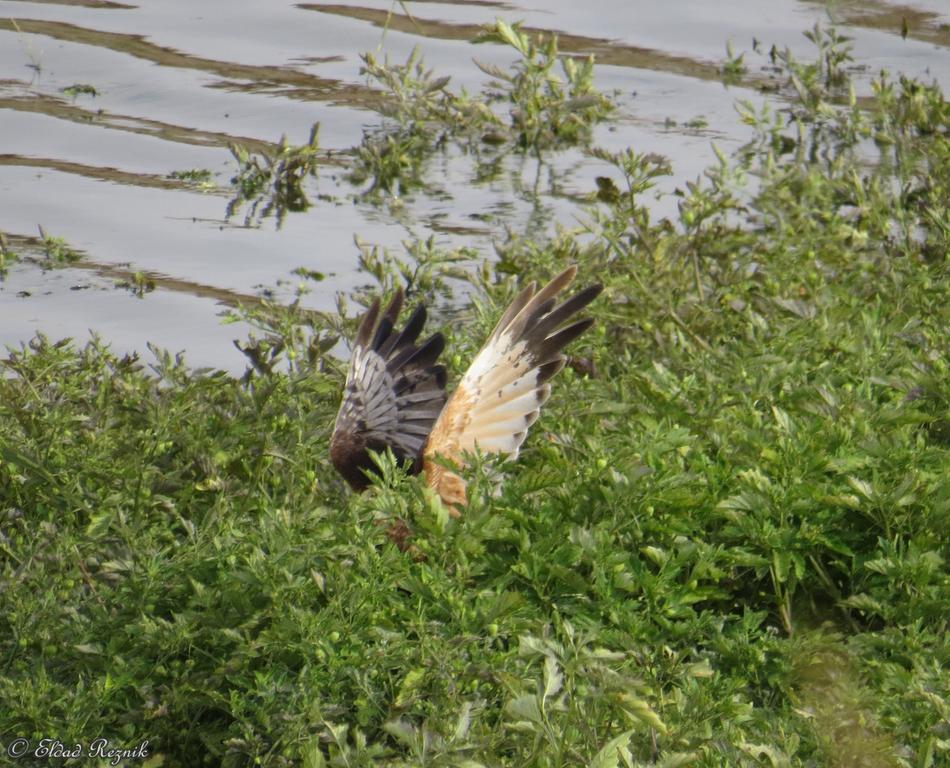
(395, 391)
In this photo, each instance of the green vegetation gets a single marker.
(733, 68)
(200, 177)
(423, 115)
(80, 89)
(7, 256)
(272, 180)
(56, 251)
(138, 284)
(728, 547)
(547, 110)
(46, 251)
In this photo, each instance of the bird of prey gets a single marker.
(395, 397)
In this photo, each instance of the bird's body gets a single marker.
(395, 391)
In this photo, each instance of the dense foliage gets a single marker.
(724, 543)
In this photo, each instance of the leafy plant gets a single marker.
(294, 338)
(138, 284)
(547, 110)
(416, 100)
(733, 68)
(272, 180)
(427, 273)
(57, 252)
(7, 256)
(392, 162)
(200, 177)
(80, 89)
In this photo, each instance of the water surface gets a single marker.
(177, 82)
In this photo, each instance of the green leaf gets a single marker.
(409, 686)
(525, 707)
(610, 754)
(553, 679)
(512, 36)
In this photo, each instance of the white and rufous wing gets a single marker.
(503, 390)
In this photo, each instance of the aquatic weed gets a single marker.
(57, 252)
(272, 180)
(138, 284)
(547, 110)
(80, 89)
(733, 68)
(7, 256)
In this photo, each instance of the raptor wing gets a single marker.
(393, 395)
(503, 390)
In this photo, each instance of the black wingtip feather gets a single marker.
(549, 370)
(428, 352)
(567, 308)
(414, 326)
(367, 324)
(586, 295)
(408, 334)
(417, 357)
(537, 316)
(388, 320)
(383, 332)
(392, 311)
(554, 344)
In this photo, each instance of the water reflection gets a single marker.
(136, 172)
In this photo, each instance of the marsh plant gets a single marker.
(727, 547)
(271, 182)
(286, 337)
(199, 178)
(80, 89)
(547, 109)
(138, 284)
(412, 96)
(550, 97)
(733, 68)
(56, 251)
(422, 116)
(426, 272)
(7, 256)
(393, 162)
(46, 251)
(551, 104)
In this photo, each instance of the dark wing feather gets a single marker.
(395, 390)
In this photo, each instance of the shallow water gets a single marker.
(178, 81)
